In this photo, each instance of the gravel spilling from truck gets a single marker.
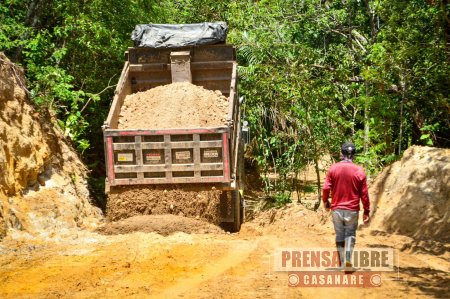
(161, 224)
(176, 105)
(181, 200)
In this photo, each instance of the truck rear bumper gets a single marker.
(168, 156)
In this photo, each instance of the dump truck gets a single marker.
(207, 157)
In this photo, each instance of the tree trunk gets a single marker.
(366, 120)
(319, 189)
(315, 157)
(400, 134)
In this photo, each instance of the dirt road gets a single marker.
(213, 265)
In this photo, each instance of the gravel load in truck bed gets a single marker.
(176, 105)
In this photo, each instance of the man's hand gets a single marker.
(366, 219)
(327, 205)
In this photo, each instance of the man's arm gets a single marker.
(325, 195)
(365, 200)
(327, 185)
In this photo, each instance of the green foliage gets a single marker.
(309, 189)
(428, 131)
(282, 199)
(318, 73)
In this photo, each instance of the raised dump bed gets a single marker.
(182, 154)
(174, 155)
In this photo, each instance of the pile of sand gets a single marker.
(182, 200)
(43, 187)
(176, 105)
(411, 197)
(162, 224)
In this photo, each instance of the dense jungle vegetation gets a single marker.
(314, 73)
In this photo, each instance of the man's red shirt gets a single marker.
(348, 184)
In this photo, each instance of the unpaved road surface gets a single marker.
(211, 265)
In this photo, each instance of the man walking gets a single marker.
(347, 182)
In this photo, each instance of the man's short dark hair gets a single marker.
(348, 149)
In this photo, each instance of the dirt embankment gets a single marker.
(176, 105)
(411, 196)
(42, 181)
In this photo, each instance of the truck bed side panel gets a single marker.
(156, 156)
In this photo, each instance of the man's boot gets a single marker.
(340, 246)
(349, 245)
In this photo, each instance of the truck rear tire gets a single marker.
(238, 210)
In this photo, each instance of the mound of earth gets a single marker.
(176, 105)
(411, 197)
(43, 187)
(162, 224)
(128, 201)
(276, 221)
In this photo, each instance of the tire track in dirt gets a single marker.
(238, 252)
